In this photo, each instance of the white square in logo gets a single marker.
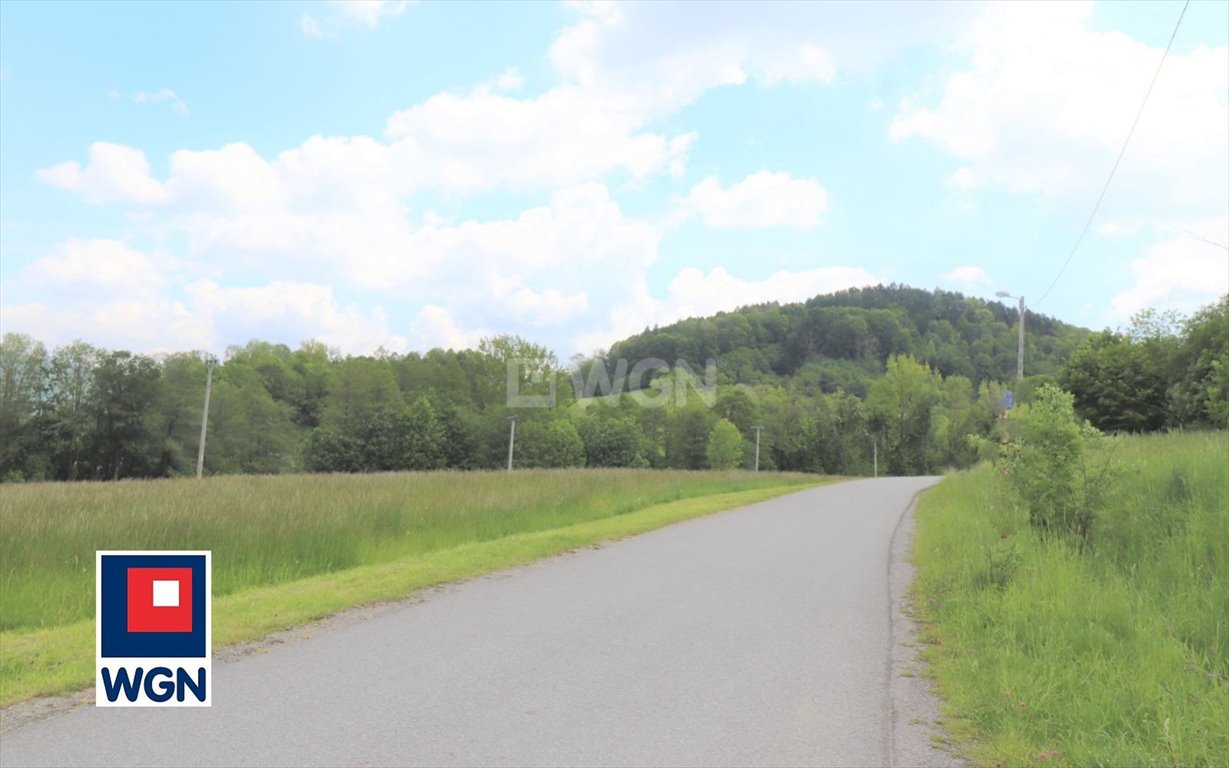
(166, 594)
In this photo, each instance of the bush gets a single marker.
(1057, 465)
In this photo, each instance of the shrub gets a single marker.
(1057, 466)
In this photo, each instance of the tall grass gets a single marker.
(266, 530)
(1117, 655)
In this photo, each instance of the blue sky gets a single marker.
(410, 175)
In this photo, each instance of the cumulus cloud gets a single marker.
(207, 316)
(655, 58)
(1180, 273)
(760, 201)
(1050, 118)
(969, 277)
(434, 327)
(94, 267)
(113, 173)
(148, 325)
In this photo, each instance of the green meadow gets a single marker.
(1111, 654)
(290, 549)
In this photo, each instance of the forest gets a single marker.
(907, 377)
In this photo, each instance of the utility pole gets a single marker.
(875, 449)
(200, 450)
(1020, 342)
(511, 440)
(757, 447)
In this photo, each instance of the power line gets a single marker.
(1118, 160)
(1196, 236)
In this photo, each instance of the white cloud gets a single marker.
(449, 143)
(647, 59)
(434, 327)
(370, 12)
(149, 325)
(969, 277)
(113, 294)
(1049, 118)
(164, 96)
(1181, 273)
(509, 80)
(486, 140)
(93, 268)
(545, 307)
(548, 268)
(207, 317)
(760, 201)
(114, 173)
(285, 309)
(343, 13)
(310, 27)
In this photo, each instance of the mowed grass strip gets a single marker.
(1116, 656)
(59, 658)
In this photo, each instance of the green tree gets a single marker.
(329, 451)
(1118, 384)
(70, 396)
(612, 441)
(123, 443)
(421, 436)
(1200, 392)
(737, 407)
(688, 429)
(532, 367)
(312, 363)
(849, 436)
(900, 408)
(176, 418)
(249, 431)
(22, 377)
(553, 443)
(725, 446)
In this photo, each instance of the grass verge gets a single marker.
(61, 659)
(1113, 656)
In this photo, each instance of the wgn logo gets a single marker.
(153, 617)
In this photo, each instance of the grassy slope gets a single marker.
(498, 521)
(1116, 657)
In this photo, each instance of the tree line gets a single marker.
(832, 385)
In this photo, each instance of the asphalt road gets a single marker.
(759, 636)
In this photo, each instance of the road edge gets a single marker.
(913, 707)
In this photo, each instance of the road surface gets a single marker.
(759, 636)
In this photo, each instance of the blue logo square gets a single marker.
(115, 639)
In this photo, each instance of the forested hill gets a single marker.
(843, 340)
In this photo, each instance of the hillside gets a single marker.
(843, 340)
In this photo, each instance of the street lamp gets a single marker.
(1020, 343)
